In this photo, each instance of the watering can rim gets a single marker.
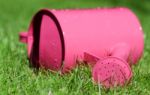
(28, 37)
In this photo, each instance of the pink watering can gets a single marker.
(110, 40)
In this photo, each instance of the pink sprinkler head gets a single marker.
(114, 69)
(108, 39)
(111, 72)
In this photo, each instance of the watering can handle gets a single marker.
(23, 37)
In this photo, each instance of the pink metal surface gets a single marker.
(93, 35)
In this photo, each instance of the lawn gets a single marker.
(18, 78)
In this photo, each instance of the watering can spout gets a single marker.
(114, 69)
(23, 37)
(121, 51)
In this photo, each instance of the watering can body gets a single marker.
(57, 38)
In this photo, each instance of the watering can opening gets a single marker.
(45, 41)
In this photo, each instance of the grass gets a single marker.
(17, 78)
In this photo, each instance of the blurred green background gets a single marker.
(17, 78)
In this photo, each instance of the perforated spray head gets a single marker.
(111, 72)
(114, 69)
